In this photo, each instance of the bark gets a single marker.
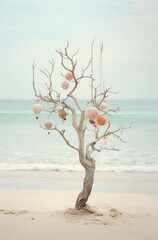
(87, 184)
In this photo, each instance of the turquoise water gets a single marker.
(24, 145)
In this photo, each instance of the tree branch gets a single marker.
(34, 88)
(66, 140)
(74, 122)
(105, 134)
(69, 63)
(62, 133)
(113, 148)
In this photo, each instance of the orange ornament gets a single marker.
(101, 120)
(62, 114)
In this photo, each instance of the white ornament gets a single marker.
(37, 108)
(102, 106)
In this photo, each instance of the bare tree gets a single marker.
(96, 103)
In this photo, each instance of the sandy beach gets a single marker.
(40, 205)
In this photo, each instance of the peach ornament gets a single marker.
(48, 124)
(37, 108)
(62, 114)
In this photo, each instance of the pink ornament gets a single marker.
(65, 85)
(104, 143)
(95, 125)
(37, 108)
(92, 113)
(69, 76)
(48, 124)
(102, 106)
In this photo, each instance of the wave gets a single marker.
(43, 167)
(127, 160)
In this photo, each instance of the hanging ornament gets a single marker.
(62, 114)
(101, 120)
(91, 121)
(102, 106)
(65, 85)
(92, 113)
(95, 125)
(48, 124)
(37, 108)
(104, 143)
(69, 76)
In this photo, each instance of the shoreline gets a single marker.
(107, 182)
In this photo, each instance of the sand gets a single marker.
(30, 210)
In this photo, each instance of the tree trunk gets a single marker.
(89, 165)
(87, 185)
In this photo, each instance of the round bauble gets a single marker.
(37, 108)
(95, 125)
(62, 114)
(92, 113)
(102, 106)
(69, 76)
(48, 124)
(65, 85)
(101, 120)
(91, 121)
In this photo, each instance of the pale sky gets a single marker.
(33, 29)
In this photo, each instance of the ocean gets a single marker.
(26, 146)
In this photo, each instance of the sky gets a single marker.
(33, 29)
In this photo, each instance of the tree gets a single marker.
(95, 114)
